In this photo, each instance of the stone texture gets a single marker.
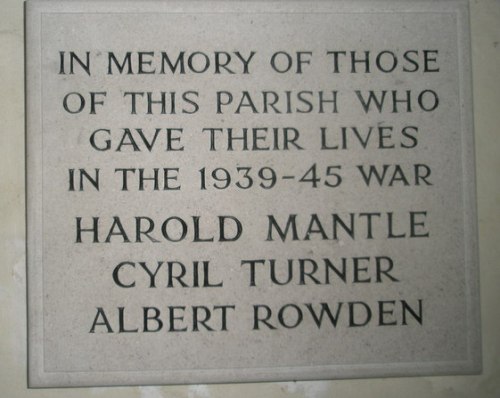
(417, 315)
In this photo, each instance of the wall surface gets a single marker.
(485, 32)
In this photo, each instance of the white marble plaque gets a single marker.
(246, 191)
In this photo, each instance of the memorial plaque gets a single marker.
(248, 191)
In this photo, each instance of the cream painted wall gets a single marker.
(485, 30)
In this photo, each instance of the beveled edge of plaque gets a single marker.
(38, 378)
